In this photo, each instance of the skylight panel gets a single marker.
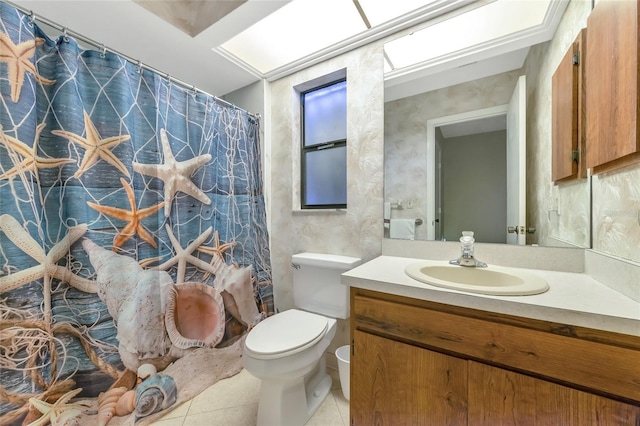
(490, 22)
(378, 12)
(296, 30)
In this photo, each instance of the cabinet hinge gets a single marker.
(575, 156)
(353, 347)
(576, 58)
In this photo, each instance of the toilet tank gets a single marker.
(316, 283)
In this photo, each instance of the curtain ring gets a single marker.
(139, 68)
(32, 18)
(193, 91)
(103, 51)
(65, 36)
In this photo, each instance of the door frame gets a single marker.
(431, 156)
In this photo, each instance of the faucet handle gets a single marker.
(480, 264)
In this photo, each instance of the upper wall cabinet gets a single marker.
(611, 78)
(567, 103)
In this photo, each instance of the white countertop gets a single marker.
(573, 298)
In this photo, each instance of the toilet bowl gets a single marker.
(287, 350)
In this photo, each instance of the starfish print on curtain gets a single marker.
(48, 261)
(184, 255)
(133, 216)
(175, 174)
(32, 162)
(48, 267)
(17, 57)
(217, 250)
(58, 412)
(95, 147)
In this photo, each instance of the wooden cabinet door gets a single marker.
(502, 397)
(394, 383)
(567, 115)
(611, 80)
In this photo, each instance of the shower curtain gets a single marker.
(125, 201)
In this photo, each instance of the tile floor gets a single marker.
(234, 402)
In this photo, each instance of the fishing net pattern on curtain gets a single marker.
(132, 231)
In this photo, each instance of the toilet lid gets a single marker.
(285, 333)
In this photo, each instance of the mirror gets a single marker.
(472, 194)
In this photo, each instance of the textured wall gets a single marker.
(356, 231)
(557, 211)
(616, 213)
(563, 211)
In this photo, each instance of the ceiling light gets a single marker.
(468, 30)
(378, 12)
(294, 31)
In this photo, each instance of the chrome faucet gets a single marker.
(466, 257)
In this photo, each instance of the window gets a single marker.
(324, 146)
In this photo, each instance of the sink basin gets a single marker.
(494, 280)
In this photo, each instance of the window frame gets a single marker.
(316, 147)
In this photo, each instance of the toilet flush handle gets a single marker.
(296, 267)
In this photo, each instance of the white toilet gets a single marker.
(286, 350)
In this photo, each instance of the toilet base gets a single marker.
(293, 402)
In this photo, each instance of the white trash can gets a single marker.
(343, 355)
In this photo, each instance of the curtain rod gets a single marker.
(67, 32)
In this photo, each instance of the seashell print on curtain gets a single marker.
(126, 202)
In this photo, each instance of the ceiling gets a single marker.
(191, 16)
(127, 28)
(196, 41)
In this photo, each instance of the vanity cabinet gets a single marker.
(396, 383)
(499, 396)
(611, 79)
(419, 362)
(567, 115)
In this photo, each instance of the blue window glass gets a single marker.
(325, 114)
(324, 151)
(326, 176)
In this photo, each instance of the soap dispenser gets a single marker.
(466, 244)
(466, 256)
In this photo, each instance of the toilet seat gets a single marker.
(284, 334)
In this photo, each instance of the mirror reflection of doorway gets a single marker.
(471, 179)
(515, 112)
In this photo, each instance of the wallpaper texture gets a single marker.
(559, 212)
(564, 211)
(616, 213)
(356, 231)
